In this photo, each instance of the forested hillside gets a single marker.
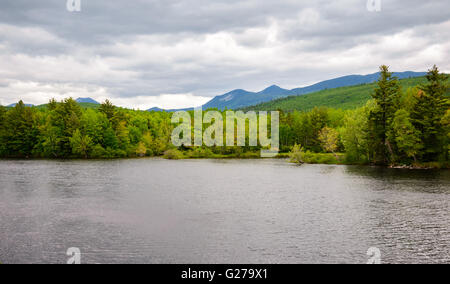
(345, 97)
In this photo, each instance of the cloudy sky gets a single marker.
(173, 53)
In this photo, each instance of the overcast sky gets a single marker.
(173, 53)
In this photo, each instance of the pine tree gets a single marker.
(431, 105)
(20, 131)
(108, 109)
(387, 96)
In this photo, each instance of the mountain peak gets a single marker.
(87, 100)
(273, 90)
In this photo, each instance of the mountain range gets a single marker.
(241, 98)
(79, 100)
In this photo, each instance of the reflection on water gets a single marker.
(220, 211)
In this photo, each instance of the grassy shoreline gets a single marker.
(255, 156)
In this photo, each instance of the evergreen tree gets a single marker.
(108, 109)
(431, 105)
(66, 119)
(387, 97)
(20, 132)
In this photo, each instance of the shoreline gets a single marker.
(283, 156)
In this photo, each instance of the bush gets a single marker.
(296, 154)
(98, 152)
(173, 154)
(121, 154)
(201, 153)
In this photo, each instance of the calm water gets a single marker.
(264, 211)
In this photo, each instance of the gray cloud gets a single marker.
(130, 50)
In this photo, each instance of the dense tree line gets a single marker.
(65, 130)
(396, 127)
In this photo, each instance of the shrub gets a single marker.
(98, 152)
(173, 154)
(296, 154)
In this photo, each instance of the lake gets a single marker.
(221, 211)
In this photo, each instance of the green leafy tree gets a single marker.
(446, 125)
(93, 123)
(81, 144)
(51, 139)
(406, 135)
(329, 139)
(122, 134)
(64, 119)
(2, 130)
(141, 150)
(355, 134)
(20, 134)
(110, 139)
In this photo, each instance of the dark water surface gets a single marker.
(208, 211)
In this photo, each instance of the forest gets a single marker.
(397, 126)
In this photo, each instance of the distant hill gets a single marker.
(87, 100)
(83, 105)
(343, 97)
(242, 98)
(157, 109)
(13, 105)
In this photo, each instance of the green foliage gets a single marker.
(81, 144)
(387, 100)
(406, 135)
(329, 139)
(446, 125)
(296, 154)
(68, 130)
(19, 132)
(98, 152)
(173, 154)
(141, 149)
(200, 153)
(340, 98)
(355, 134)
(395, 127)
(430, 106)
(299, 156)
